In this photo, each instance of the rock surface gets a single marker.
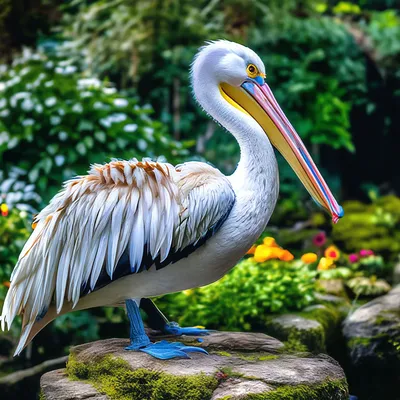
(372, 334)
(239, 366)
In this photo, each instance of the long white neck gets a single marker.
(255, 180)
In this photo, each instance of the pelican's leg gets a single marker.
(158, 321)
(141, 342)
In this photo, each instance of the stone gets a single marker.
(396, 274)
(372, 335)
(239, 366)
(298, 332)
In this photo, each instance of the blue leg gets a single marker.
(157, 320)
(140, 341)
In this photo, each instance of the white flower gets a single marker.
(63, 135)
(86, 94)
(105, 122)
(49, 64)
(4, 113)
(4, 137)
(49, 83)
(27, 105)
(120, 102)
(142, 144)
(2, 86)
(59, 160)
(24, 71)
(130, 128)
(59, 70)
(28, 122)
(109, 90)
(3, 68)
(18, 96)
(149, 130)
(70, 69)
(55, 119)
(50, 101)
(3, 103)
(117, 117)
(77, 108)
(61, 111)
(98, 105)
(39, 108)
(88, 82)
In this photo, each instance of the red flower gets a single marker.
(353, 258)
(319, 239)
(366, 253)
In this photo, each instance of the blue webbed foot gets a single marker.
(172, 328)
(166, 350)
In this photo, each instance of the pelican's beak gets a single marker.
(254, 97)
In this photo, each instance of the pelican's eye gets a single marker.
(252, 71)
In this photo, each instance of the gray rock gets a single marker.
(372, 334)
(55, 385)
(396, 274)
(239, 364)
(298, 331)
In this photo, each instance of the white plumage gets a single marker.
(107, 236)
(123, 206)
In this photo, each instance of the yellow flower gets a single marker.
(309, 258)
(270, 242)
(264, 253)
(332, 252)
(4, 209)
(325, 263)
(252, 249)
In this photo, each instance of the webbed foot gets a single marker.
(166, 350)
(172, 328)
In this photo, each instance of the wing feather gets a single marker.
(154, 213)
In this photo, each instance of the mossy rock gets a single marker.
(248, 366)
(300, 334)
(372, 334)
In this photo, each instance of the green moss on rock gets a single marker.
(331, 389)
(114, 377)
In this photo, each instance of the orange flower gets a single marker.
(270, 242)
(6, 284)
(252, 249)
(309, 258)
(264, 253)
(332, 252)
(4, 210)
(325, 263)
(286, 255)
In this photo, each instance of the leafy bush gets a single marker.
(242, 299)
(374, 226)
(55, 122)
(369, 287)
(14, 231)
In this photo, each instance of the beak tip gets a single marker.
(338, 215)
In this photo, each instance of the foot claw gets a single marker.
(165, 350)
(173, 328)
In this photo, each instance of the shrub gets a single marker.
(242, 299)
(55, 122)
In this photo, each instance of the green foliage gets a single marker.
(336, 273)
(55, 122)
(113, 377)
(14, 230)
(242, 299)
(373, 226)
(370, 287)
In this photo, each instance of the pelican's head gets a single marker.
(240, 76)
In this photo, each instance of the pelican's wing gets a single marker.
(120, 218)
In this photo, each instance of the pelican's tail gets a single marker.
(31, 328)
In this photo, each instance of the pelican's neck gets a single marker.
(257, 166)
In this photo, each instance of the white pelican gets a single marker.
(130, 230)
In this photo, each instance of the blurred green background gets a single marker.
(87, 81)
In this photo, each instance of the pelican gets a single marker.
(131, 230)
